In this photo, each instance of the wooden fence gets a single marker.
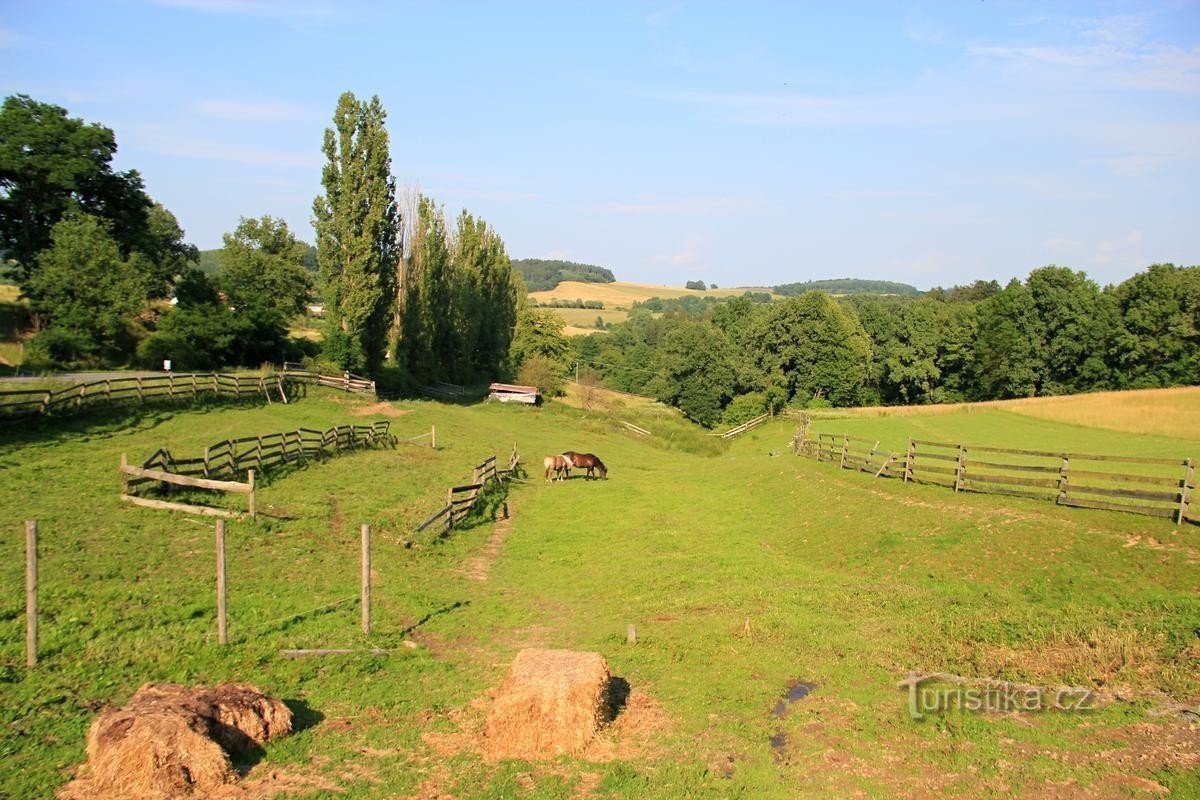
(440, 390)
(1157, 487)
(461, 500)
(745, 426)
(347, 381)
(224, 462)
(184, 387)
(851, 452)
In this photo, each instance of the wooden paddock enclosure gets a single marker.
(460, 500)
(183, 387)
(224, 462)
(1157, 487)
(347, 381)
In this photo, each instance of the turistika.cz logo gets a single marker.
(939, 693)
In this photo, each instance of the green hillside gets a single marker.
(848, 286)
(543, 274)
(744, 572)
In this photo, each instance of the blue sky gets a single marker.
(737, 143)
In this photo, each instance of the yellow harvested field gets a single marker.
(1165, 412)
(623, 295)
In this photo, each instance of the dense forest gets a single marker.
(848, 286)
(1054, 333)
(542, 274)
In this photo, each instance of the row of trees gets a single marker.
(88, 247)
(400, 286)
(109, 278)
(1054, 333)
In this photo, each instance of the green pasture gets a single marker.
(744, 569)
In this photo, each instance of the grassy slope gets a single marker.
(847, 581)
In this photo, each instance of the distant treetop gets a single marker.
(542, 274)
(848, 286)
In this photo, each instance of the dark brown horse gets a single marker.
(587, 461)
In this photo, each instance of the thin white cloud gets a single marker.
(10, 38)
(159, 139)
(251, 111)
(880, 194)
(690, 207)
(688, 253)
(661, 15)
(280, 9)
(498, 195)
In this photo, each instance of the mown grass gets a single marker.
(846, 581)
(622, 294)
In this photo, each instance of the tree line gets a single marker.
(110, 281)
(1056, 332)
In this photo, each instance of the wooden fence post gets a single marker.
(141, 395)
(960, 469)
(450, 513)
(222, 630)
(433, 437)
(206, 462)
(31, 592)
(909, 458)
(366, 578)
(1063, 478)
(253, 507)
(1185, 493)
(845, 450)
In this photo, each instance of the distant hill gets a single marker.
(847, 286)
(210, 260)
(542, 274)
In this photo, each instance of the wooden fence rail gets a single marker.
(180, 387)
(745, 426)
(1158, 487)
(461, 500)
(224, 462)
(347, 381)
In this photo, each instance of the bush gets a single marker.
(744, 408)
(544, 373)
(56, 347)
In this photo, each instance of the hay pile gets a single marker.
(172, 742)
(552, 702)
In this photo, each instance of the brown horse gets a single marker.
(587, 461)
(561, 465)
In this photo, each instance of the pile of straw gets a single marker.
(172, 741)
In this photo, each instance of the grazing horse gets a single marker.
(587, 461)
(561, 465)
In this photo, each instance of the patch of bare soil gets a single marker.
(479, 566)
(381, 409)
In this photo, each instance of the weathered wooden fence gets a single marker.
(1158, 487)
(851, 452)
(745, 426)
(440, 390)
(461, 500)
(224, 462)
(182, 387)
(347, 381)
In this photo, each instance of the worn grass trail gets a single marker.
(847, 582)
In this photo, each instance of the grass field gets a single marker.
(1163, 412)
(582, 321)
(743, 571)
(621, 295)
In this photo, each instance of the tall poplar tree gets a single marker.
(357, 223)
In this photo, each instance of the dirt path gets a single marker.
(479, 566)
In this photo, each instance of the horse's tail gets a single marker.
(548, 463)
